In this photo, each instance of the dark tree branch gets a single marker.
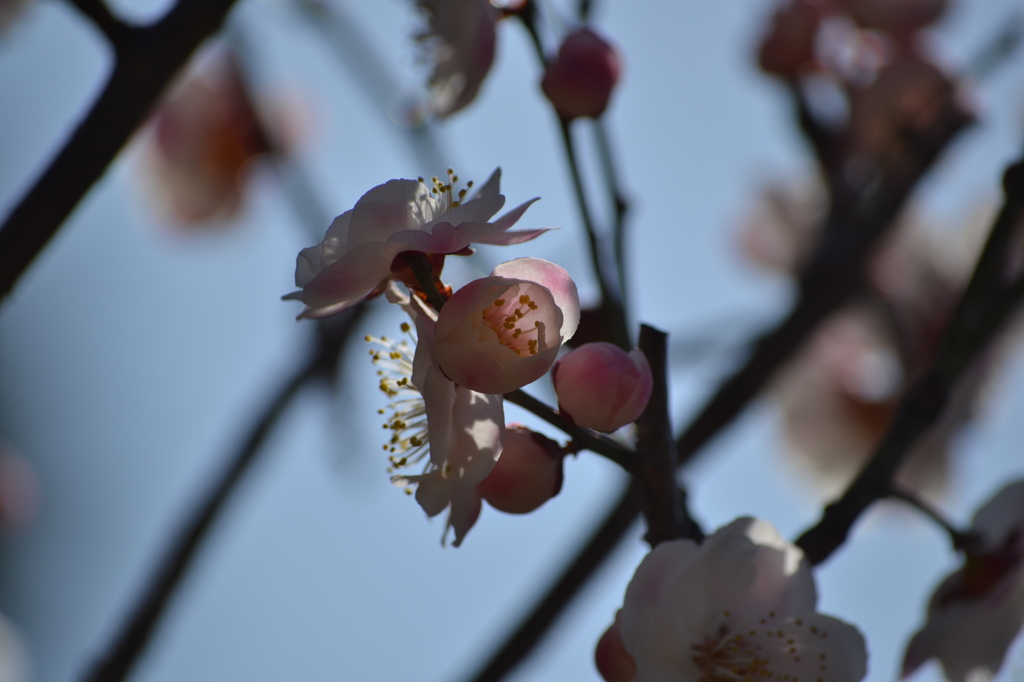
(146, 60)
(128, 645)
(661, 501)
(535, 626)
(115, 30)
(982, 311)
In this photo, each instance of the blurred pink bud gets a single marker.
(613, 661)
(499, 333)
(788, 47)
(580, 80)
(602, 387)
(528, 474)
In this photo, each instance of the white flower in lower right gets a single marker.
(741, 606)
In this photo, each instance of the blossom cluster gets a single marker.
(465, 348)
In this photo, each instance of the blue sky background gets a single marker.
(132, 358)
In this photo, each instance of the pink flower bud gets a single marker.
(528, 473)
(614, 662)
(580, 79)
(602, 387)
(499, 333)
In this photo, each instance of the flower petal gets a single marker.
(556, 280)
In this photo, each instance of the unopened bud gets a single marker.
(602, 387)
(528, 473)
(613, 661)
(580, 80)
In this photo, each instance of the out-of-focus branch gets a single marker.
(983, 309)
(536, 624)
(146, 59)
(582, 438)
(662, 503)
(117, 662)
(835, 273)
(115, 30)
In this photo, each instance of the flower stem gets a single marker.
(611, 296)
(602, 445)
(961, 540)
(620, 206)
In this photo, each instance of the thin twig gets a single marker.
(146, 61)
(115, 30)
(121, 656)
(612, 306)
(961, 540)
(620, 205)
(611, 297)
(585, 438)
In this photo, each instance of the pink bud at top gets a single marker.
(499, 333)
(580, 79)
(528, 473)
(602, 387)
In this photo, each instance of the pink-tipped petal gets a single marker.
(556, 280)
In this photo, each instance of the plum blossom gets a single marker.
(499, 333)
(359, 254)
(602, 387)
(459, 42)
(456, 433)
(203, 139)
(741, 606)
(978, 610)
